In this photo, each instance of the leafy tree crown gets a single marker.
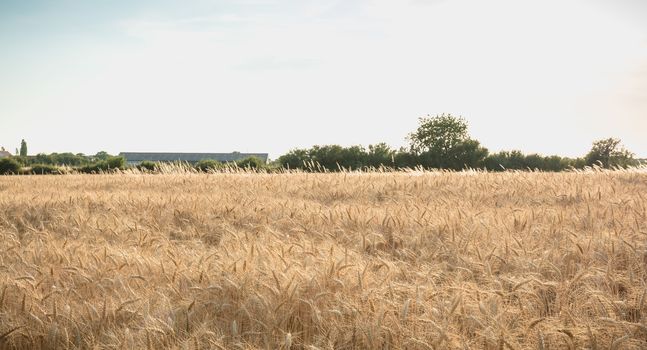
(438, 134)
(609, 153)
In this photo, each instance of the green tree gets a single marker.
(294, 159)
(443, 142)
(465, 154)
(327, 156)
(438, 134)
(610, 153)
(403, 159)
(42, 158)
(23, 148)
(102, 155)
(380, 155)
(69, 158)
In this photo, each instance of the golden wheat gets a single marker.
(416, 260)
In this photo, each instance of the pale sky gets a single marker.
(545, 76)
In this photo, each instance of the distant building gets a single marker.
(4, 153)
(134, 158)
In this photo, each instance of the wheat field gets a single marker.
(408, 260)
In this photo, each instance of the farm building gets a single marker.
(134, 158)
(3, 153)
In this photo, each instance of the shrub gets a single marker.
(147, 166)
(251, 163)
(112, 163)
(9, 166)
(91, 168)
(206, 165)
(23, 161)
(45, 169)
(115, 163)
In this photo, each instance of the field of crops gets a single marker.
(324, 261)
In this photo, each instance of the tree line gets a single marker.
(443, 142)
(439, 142)
(61, 163)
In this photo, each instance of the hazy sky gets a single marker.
(545, 76)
